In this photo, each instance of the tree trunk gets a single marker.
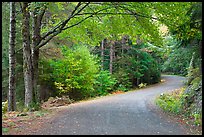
(35, 54)
(27, 59)
(138, 79)
(102, 54)
(111, 58)
(11, 93)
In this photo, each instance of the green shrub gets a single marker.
(20, 106)
(169, 103)
(104, 83)
(33, 106)
(179, 60)
(122, 88)
(75, 72)
(143, 67)
(123, 80)
(142, 85)
(197, 118)
(4, 107)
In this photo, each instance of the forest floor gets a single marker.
(27, 123)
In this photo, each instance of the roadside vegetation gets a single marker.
(185, 60)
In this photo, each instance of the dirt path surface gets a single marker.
(131, 113)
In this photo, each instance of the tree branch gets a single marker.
(59, 31)
(61, 23)
(77, 22)
(61, 26)
(82, 8)
(47, 40)
(137, 14)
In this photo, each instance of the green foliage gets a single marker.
(143, 66)
(178, 61)
(150, 69)
(142, 85)
(169, 103)
(4, 129)
(123, 80)
(197, 118)
(131, 66)
(190, 29)
(173, 14)
(186, 102)
(4, 107)
(192, 74)
(40, 113)
(121, 21)
(34, 106)
(104, 83)
(75, 71)
(20, 106)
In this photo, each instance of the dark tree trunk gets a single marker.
(27, 58)
(35, 52)
(102, 54)
(11, 93)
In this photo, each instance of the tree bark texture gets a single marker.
(35, 52)
(27, 57)
(11, 92)
(111, 58)
(102, 54)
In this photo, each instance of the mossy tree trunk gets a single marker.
(27, 57)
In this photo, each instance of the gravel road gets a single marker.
(131, 113)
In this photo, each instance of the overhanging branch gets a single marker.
(60, 24)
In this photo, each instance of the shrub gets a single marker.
(169, 104)
(104, 83)
(176, 103)
(75, 72)
(179, 60)
(142, 85)
(123, 80)
(4, 107)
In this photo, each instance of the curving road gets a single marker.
(132, 113)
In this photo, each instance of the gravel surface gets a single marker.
(131, 113)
